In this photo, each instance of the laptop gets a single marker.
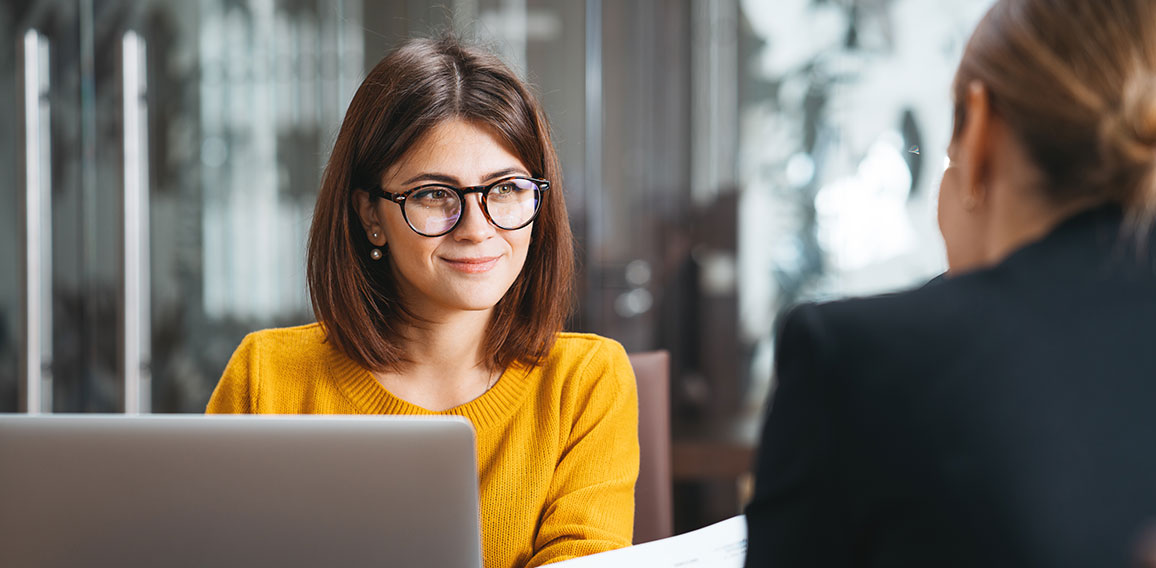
(287, 491)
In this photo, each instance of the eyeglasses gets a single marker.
(436, 209)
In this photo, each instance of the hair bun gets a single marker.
(1130, 135)
(1128, 142)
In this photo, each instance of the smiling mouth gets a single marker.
(472, 265)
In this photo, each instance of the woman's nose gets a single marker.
(474, 226)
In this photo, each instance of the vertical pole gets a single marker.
(135, 287)
(36, 356)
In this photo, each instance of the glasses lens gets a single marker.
(432, 211)
(513, 203)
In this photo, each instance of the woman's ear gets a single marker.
(976, 145)
(367, 212)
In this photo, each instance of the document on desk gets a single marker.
(721, 545)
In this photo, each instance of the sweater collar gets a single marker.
(359, 386)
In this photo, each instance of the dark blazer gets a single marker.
(1005, 417)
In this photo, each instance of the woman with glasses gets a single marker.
(439, 268)
(1004, 415)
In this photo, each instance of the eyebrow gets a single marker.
(451, 180)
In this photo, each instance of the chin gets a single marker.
(475, 302)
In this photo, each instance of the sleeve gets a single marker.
(590, 505)
(797, 516)
(235, 393)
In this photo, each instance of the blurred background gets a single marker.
(723, 159)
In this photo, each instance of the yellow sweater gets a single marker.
(557, 443)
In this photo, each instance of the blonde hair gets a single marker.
(1076, 81)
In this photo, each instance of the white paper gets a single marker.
(721, 545)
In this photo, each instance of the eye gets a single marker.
(433, 197)
(511, 190)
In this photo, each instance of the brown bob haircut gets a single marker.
(1076, 81)
(416, 86)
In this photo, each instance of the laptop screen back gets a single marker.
(84, 490)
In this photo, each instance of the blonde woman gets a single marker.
(1004, 415)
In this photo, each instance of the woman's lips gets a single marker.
(472, 265)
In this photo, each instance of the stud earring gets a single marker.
(375, 234)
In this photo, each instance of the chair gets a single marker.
(653, 501)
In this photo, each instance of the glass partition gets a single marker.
(182, 144)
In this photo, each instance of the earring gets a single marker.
(375, 253)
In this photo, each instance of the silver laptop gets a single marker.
(287, 491)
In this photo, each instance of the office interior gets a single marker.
(722, 160)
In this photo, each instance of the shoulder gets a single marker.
(585, 349)
(287, 337)
(303, 342)
(588, 359)
(568, 344)
(918, 311)
(892, 336)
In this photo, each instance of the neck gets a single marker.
(1023, 218)
(447, 364)
(450, 346)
